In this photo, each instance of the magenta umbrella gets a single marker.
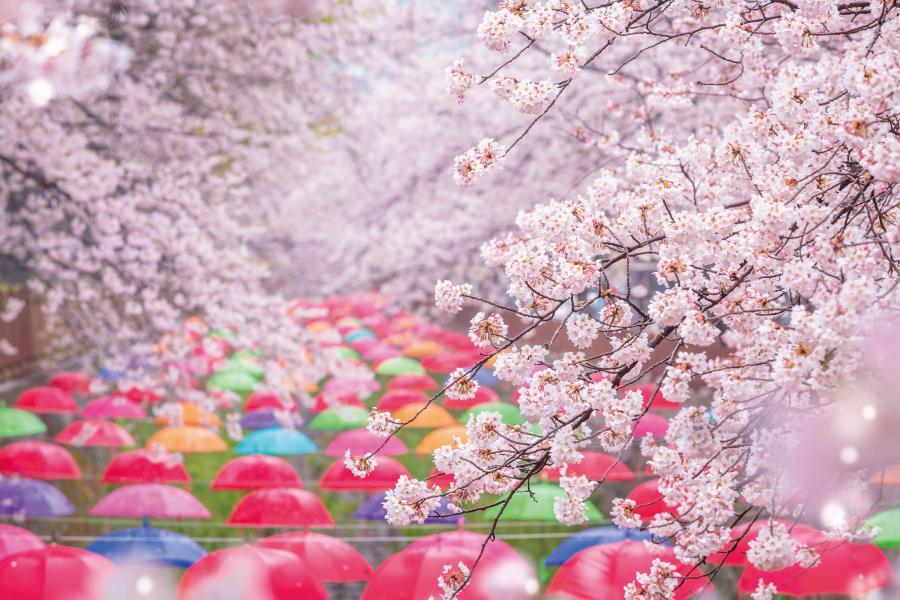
(113, 407)
(15, 540)
(360, 442)
(150, 500)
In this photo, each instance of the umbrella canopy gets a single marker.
(32, 498)
(38, 460)
(596, 536)
(441, 437)
(360, 442)
(145, 466)
(340, 418)
(15, 540)
(423, 348)
(280, 507)
(647, 391)
(254, 472)
(276, 441)
(360, 334)
(191, 414)
(345, 352)
(447, 362)
(188, 439)
(113, 407)
(412, 382)
(94, 432)
(17, 423)
(445, 481)
(251, 572)
(595, 466)
(73, 382)
(246, 364)
(373, 510)
(485, 377)
(148, 545)
(735, 553)
(424, 416)
(46, 399)
(381, 352)
(649, 501)
(889, 523)
(150, 500)
(600, 572)
(338, 478)
(259, 400)
(139, 395)
(400, 365)
(395, 399)
(483, 395)
(329, 400)
(329, 558)
(239, 382)
(537, 505)
(54, 573)
(267, 417)
(509, 413)
(651, 423)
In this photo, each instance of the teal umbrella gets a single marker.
(276, 441)
(537, 505)
(341, 418)
(509, 413)
(889, 522)
(233, 381)
(360, 334)
(400, 365)
(15, 423)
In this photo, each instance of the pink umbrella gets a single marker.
(146, 466)
(150, 500)
(260, 400)
(360, 442)
(412, 382)
(329, 558)
(651, 423)
(596, 466)
(94, 432)
(14, 540)
(113, 407)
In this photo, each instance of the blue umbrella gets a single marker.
(595, 536)
(372, 510)
(148, 545)
(276, 441)
(263, 419)
(360, 334)
(32, 498)
(486, 377)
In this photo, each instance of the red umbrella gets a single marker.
(600, 572)
(113, 407)
(445, 481)
(338, 478)
(326, 400)
(254, 472)
(651, 423)
(94, 432)
(843, 568)
(735, 553)
(150, 500)
(73, 382)
(258, 400)
(595, 466)
(46, 400)
(54, 573)
(15, 540)
(141, 396)
(329, 558)
(659, 401)
(394, 399)
(38, 460)
(447, 362)
(412, 382)
(360, 442)
(250, 572)
(649, 501)
(280, 507)
(454, 339)
(145, 466)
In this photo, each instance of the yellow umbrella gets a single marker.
(422, 348)
(191, 414)
(432, 417)
(442, 437)
(187, 439)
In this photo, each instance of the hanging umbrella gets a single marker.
(191, 414)
(18, 423)
(595, 466)
(509, 413)
(890, 475)
(340, 418)
(49, 400)
(238, 382)
(254, 472)
(382, 352)
(32, 498)
(360, 442)
(423, 348)
(445, 481)
(54, 573)
(94, 432)
(889, 523)
(244, 364)
(331, 559)
(146, 466)
(187, 439)
(359, 386)
(345, 353)
(328, 400)
(651, 423)
(265, 418)
(412, 382)
(15, 540)
(486, 378)
(373, 510)
(113, 407)
(260, 400)
(364, 345)
(280, 507)
(360, 334)
(600, 572)
(424, 416)
(483, 395)
(148, 545)
(140, 395)
(38, 460)
(150, 500)
(649, 501)
(537, 505)
(73, 382)
(445, 436)
(596, 536)
(647, 391)
(338, 478)
(400, 365)
(454, 339)
(251, 572)
(735, 553)
(276, 441)
(396, 399)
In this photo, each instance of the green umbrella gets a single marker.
(346, 353)
(340, 418)
(15, 422)
(400, 365)
(524, 507)
(247, 353)
(889, 522)
(220, 333)
(245, 365)
(509, 413)
(239, 382)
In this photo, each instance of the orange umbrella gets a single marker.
(441, 437)
(421, 348)
(191, 414)
(889, 476)
(432, 416)
(187, 439)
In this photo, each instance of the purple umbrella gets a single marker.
(263, 419)
(372, 510)
(32, 498)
